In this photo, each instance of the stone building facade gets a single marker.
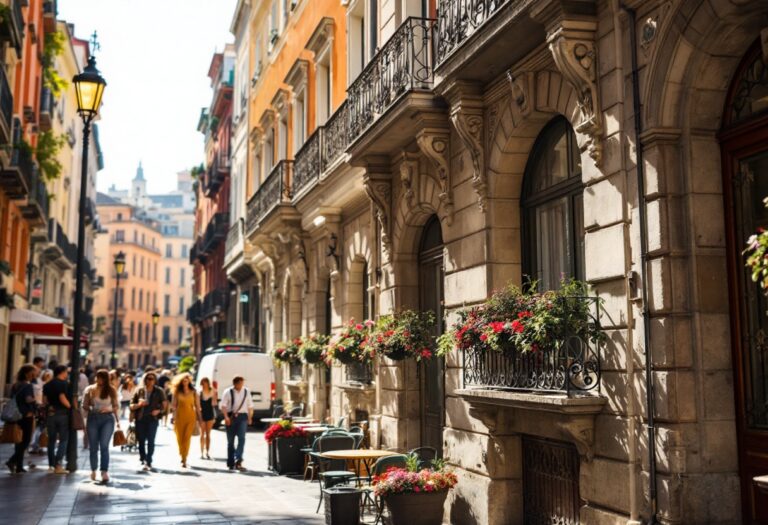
(481, 143)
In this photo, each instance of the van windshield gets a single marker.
(227, 348)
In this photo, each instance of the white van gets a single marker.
(222, 363)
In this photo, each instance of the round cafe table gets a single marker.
(365, 456)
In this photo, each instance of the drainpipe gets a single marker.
(649, 385)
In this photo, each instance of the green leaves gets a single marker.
(48, 146)
(53, 47)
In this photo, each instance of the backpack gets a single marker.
(11, 412)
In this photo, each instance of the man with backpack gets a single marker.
(237, 407)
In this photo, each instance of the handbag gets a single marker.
(119, 439)
(11, 412)
(78, 423)
(196, 430)
(11, 433)
(43, 440)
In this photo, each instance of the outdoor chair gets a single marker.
(342, 421)
(310, 464)
(358, 434)
(426, 455)
(332, 472)
(297, 411)
(379, 468)
(277, 410)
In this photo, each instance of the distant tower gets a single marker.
(139, 186)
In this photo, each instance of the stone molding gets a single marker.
(377, 182)
(409, 176)
(435, 145)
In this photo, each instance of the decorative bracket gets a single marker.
(522, 87)
(466, 115)
(435, 145)
(377, 182)
(573, 47)
(409, 173)
(581, 431)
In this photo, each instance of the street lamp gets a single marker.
(155, 320)
(119, 269)
(89, 88)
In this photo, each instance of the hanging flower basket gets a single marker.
(314, 349)
(403, 335)
(286, 352)
(352, 344)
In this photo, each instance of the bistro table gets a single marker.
(365, 456)
(305, 420)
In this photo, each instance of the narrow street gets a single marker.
(204, 493)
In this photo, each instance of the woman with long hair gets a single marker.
(208, 400)
(126, 391)
(24, 394)
(102, 408)
(114, 379)
(186, 412)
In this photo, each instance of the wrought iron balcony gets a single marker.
(35, 209)
(335, 136)
(308, 162)
(194, 312)
(12, 25)
(458, 20)
(58, 249)
(194, 252)
(215, 232)
(122, 340)
(275, 190)
(403, 65)
(215, 302)
(6, 109)
(46, 109)
(215, 176)
(17, 178)
(235, 242)
(571, 364)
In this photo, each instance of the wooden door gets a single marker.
(745, 183)
(432, 372)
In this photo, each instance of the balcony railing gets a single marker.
(215, 302)
(194, 312)
(17, 178)
(274, 191)
(36, 207)
(570, 365)
(215, 176)
(359, 373)
(335, 136)
(457, 20)
(404, 64)
(46, 109)
(235, 241)
(308, 162)
(6, 109)
(59, 243)
(215, 232)
(12, 25)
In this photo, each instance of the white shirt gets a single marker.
(241, 405)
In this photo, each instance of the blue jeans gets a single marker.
(58, 428)
(236, 429)
(100, 428)
(146, 430)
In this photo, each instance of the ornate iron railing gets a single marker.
(402, 65)
(6, 107)
(570, 364)
(215, 302)
(307, 164)
(335, 136)
(551, 481)
(457, 20)
(359, 373)
(274, 191)
(215, 232)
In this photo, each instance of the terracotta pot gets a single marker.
(416, 508)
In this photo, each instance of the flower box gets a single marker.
(416, 508)
(289, 459)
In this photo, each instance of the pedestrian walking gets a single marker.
(237, 407)
(208, 400)
(101, 406)
(114, 379)
(37, 386)
(126, 392)
(82, 384)
(148, 405)
(186, 413)
(24, 394)
(57, 420)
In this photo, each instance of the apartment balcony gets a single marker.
(98, 282)
(35, 209)
(6, 110)
(46, 109)
(274, 192)
(222, 94)
(215, 177)
(480, 39)
(90, 211)
(194, 312)
(122, 340)
(392, 99)
(12, 26)
(308, 162)
(49, 15)
(215, 302)
(16, 179)
(235, 244)
(215, 232)
(58, 250)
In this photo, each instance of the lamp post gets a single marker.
(89, 88)
(155, 320)
(119, 269)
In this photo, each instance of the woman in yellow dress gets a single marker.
(186, 413)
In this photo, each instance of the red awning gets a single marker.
(59, 340)
(36, 324)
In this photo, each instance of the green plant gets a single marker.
(46, 152)
(757, 256)
(404, 334)
(286, 351)
(186, 364)
(53, 47)
(351, 344)
(313, 349)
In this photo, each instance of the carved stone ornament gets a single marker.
(581, 431)
(378, 186)
(409, 176)
(521, 86)
(575, 55)
(435, 145)
(469, 126)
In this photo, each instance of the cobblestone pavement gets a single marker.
(204, 493)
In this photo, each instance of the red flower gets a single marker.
(517, 326)
(483, 337)
(358, 326)
(497, 327)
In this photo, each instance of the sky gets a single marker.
(154, 56)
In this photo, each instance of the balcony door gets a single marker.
(432, 373)
(745, 163)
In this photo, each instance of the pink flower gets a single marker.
(358, 326)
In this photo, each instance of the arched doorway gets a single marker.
(431, 273)
(744, 139)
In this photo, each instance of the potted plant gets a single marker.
(286, 351)
(404, 334)
(351, 344)
(313, 349)
(286, 440)
(415, 496)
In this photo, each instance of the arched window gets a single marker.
(553, 208)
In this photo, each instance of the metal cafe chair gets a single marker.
(425, 454)
(379, 468)
(332, 472)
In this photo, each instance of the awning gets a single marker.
(35, 324)
(59, 340)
